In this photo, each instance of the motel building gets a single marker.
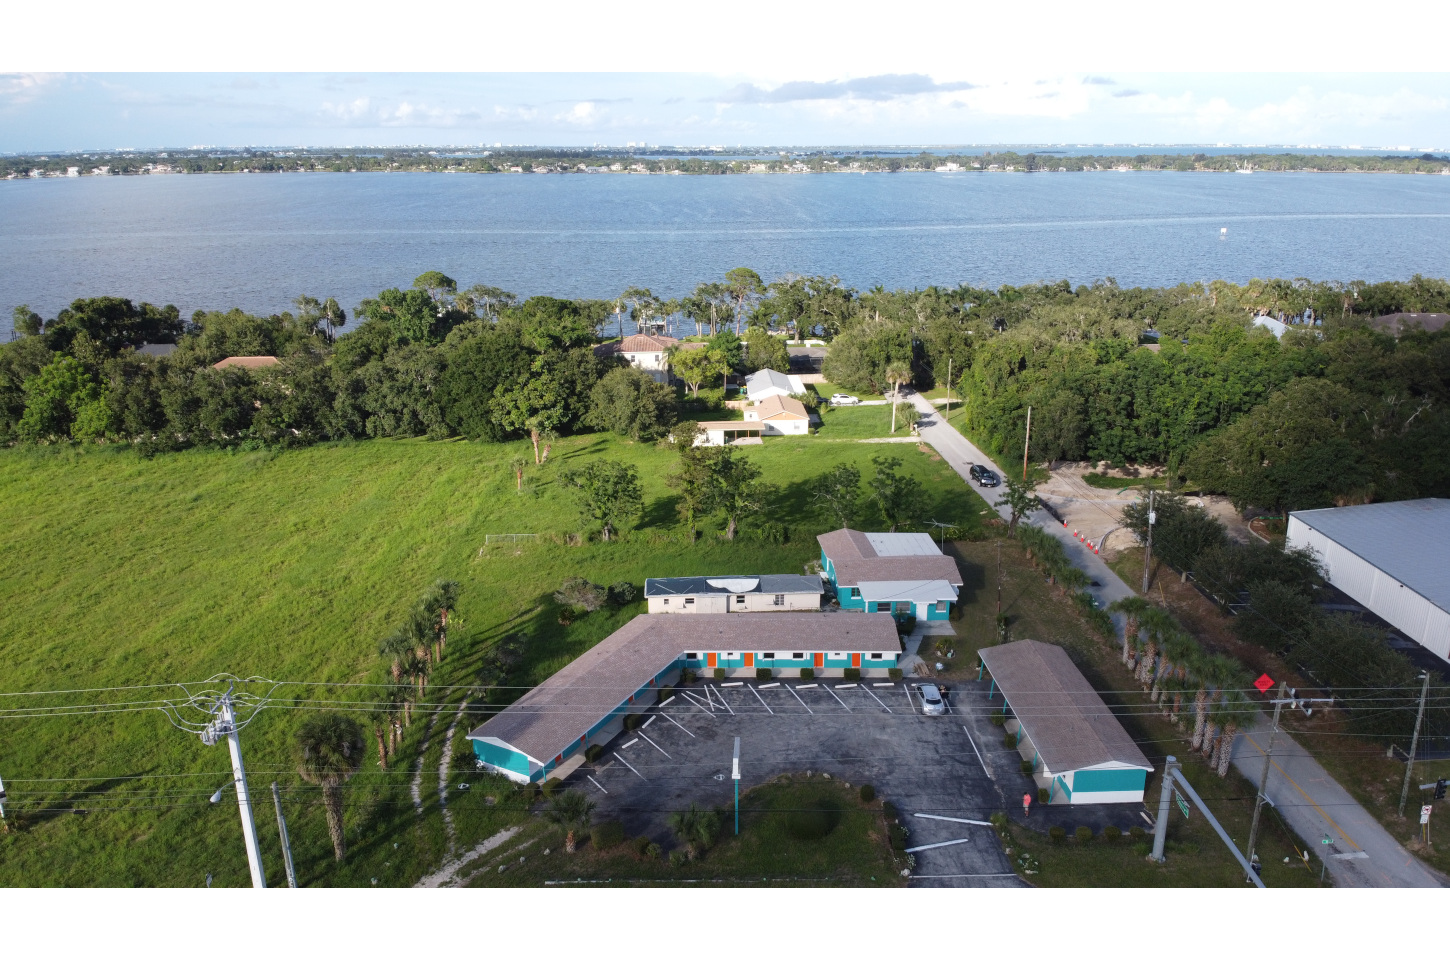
(904, 574)
(771, 593)
(545, 733)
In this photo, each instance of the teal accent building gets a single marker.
(903, 574)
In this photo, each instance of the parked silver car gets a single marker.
(932, 703)
(843, 400)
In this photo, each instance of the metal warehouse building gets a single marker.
(1392, 558)
(1080, 753)
(546, 731)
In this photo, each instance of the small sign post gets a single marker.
(1425, 813)
(1182, 803)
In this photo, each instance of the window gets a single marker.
(731, 656)
(767, 656)
(877, 656)
(798, 656)
(836, 656)
(667, 601)
(780, 600)
(689, 601)
(941, 606)
(855, 593)
(692, 656)
(739, 599)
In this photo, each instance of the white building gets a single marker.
(772, 593)
(1275, 327)
(1391, 558)
(647, 352)
(770, 383)
(780, 417)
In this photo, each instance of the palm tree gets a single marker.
(441, 601)
(695, 828)
(1132, 609)
(1213, 674)
(381, 719)
(330, 748)
(571, 810)
(1236, 708)
(1177, 647)
(896, 374)
(1158, 624)
(1212, 718)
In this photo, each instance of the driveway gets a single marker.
(1311, 802)
(929, 767)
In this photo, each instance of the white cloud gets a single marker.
(19, 88)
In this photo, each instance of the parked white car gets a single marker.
(843, 400)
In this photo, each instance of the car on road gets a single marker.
(984, 477)
(932, 703)
(843, 400)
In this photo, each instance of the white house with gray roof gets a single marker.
(770, 593)
(771, 383)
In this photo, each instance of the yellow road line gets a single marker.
(1304, 795)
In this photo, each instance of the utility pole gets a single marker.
(735, 775)
(286, 843)
(4, 824)
(1148, 548)
(1264, 777)
(227, 726)
(1414, 741)
(999, 578)
(1026, 443)
(1160, 826)
(949, 389)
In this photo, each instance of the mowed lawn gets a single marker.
(124, 572)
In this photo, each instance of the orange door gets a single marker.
(856, 660)
(750, 659)
(710, 659)
(820, 660)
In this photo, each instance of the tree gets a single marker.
(63, 402)
(439, 286)
(26, 321)
(533, 406)
(692, 480)
(516, 464)
(743, 284)
(697, 829)
(696, 365)
(642, 306)
(333, 317)
(1132, 609)
(329, 749)
(736, 489)
(896, 374)
(412, 315)
(838, 493)
(630, 402)
(1181, 532)
(483, 299)
(113, 323)
(573, 811)
(766, 351)
(1020, 498)
(607, 491)
(899, 497)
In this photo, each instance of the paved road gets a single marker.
(1310, 801)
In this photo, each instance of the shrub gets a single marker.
(1142, 849)
(1010, 741)
(665, 694)
(606, 834)
(868, 793)
(1137, 833)
(814, 822)
(719, 673)
(593, 752)
(1083, 834)
(578, 593)
(622, 593)
(1057, 834)
(897, 835)
(688, 676)
(998, 719)
(566, 617)
(1028, 766)
(678, 857)
(1111, 833)
(894, 673)
(763, 673)
(642, 845)
(652, 852)
(548, 787)
(852, 674)
(907, 624)
(1044, 796)
(999, 820)
(807, 673)
(771, 532)
(633, 720)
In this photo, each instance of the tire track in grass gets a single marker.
(443, 768)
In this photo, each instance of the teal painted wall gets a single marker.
(1104, 781)
(500, 757)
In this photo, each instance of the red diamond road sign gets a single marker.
(1264, 684)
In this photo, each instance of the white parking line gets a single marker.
(631, 743)
(708, 707)
(845, 686)
(656, 746)
(879, 685)
(909, 702)
(733, 683)
(947, 700)
(806, 686)
(631, 766)
(669, 701)
(944, 843)
(932, 816)
(722, 701)
(838, 699)
(877, 699)
(676, 723)
(762, 701)
(803, 703)
(985, 769)
(597, 784)
(767, 686)
(647, 723)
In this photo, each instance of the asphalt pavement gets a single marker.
(1361, 852)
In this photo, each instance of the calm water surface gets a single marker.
(257, 241)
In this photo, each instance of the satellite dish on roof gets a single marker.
(735, 584)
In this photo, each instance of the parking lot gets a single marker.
(939, 771)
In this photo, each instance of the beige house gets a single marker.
(771, 593)
(644, 351)
(780, 416)
(247, 363)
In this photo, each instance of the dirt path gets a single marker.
(416, 788)
(448, 873)
(443, 768)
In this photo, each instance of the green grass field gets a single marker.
(124, 572)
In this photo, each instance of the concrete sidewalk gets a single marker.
(1309, 800)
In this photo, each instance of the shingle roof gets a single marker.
(767, 379)
(249, 363)
(856, 561)
(646, 343)
(777, 406)
(702, 586)
(1069, 724)
(1405, 538)
(550, 718)
(1397, 323)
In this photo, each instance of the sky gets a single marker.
(96, 111)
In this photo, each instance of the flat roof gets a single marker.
(550, 718)
(1069, 724)
(903, 544)
(701, 586)
(1407, 539)
(919, 591)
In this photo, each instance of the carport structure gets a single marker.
(1080, 753)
